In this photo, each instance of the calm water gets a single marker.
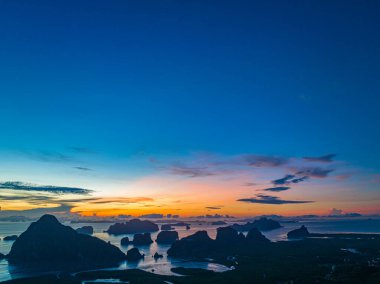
(163, 265)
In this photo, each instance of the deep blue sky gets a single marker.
(288, 78)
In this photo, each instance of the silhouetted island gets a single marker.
(262, 224)
(157, 256)
(142, 239)
(192, 245)
(10, 238)
(218, 223)
(228, 235)
(167, 237)
(299, 233)
(255, 236)
(133, 226)
(47, 241)
(180, 224)
(134, 254)
(125, 241)
(201, 245)
(166, 227)
(88, 230)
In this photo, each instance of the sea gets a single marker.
(164, 265)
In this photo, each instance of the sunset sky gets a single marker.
(189, 107)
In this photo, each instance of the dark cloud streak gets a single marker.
(17, 185)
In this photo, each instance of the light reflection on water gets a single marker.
(163, 265)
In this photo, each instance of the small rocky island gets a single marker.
(10, 238)
(47, 241)
(262, 224)
(166, 227)
(142, 239)
(134, 255)
(133, 226)
(167, 237)
(88, 230)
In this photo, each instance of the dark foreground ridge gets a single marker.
(47, 241)
(133, 226)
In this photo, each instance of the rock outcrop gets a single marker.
(167, 237)
(262, 224)
(133, 226)
(142, 239)
(48, 241)
(299, 233)
(88, 230)
(10, 238)
(134, 254)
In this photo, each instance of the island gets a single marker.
(167, 237)
(10, 238)
(133, 226)
(301, 232)
(262, 224)
(88, 230)
(48, 241)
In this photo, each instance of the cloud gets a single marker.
(126, 200)
(322, 159)
(46, 156)
(17, 185)
(192, 172)
(213, 208)
(265, 161)
(268, 199)
(340, 213)
(215, 216)
(31, 199)
(249, 184)
(288, 179)
(335, 211)
(82, 169)
(61, 209)
(277, 188)
(315, 172)
(153, 216)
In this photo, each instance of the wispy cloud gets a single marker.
(315, 172)
(18, 185)
(213, 208)
(265, 161)
(47, 156)
(268, 199)
(191, 171)
(322, 159)
(277, 188)
(289, 179)
(82, 169)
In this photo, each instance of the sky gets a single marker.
(193, 108)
